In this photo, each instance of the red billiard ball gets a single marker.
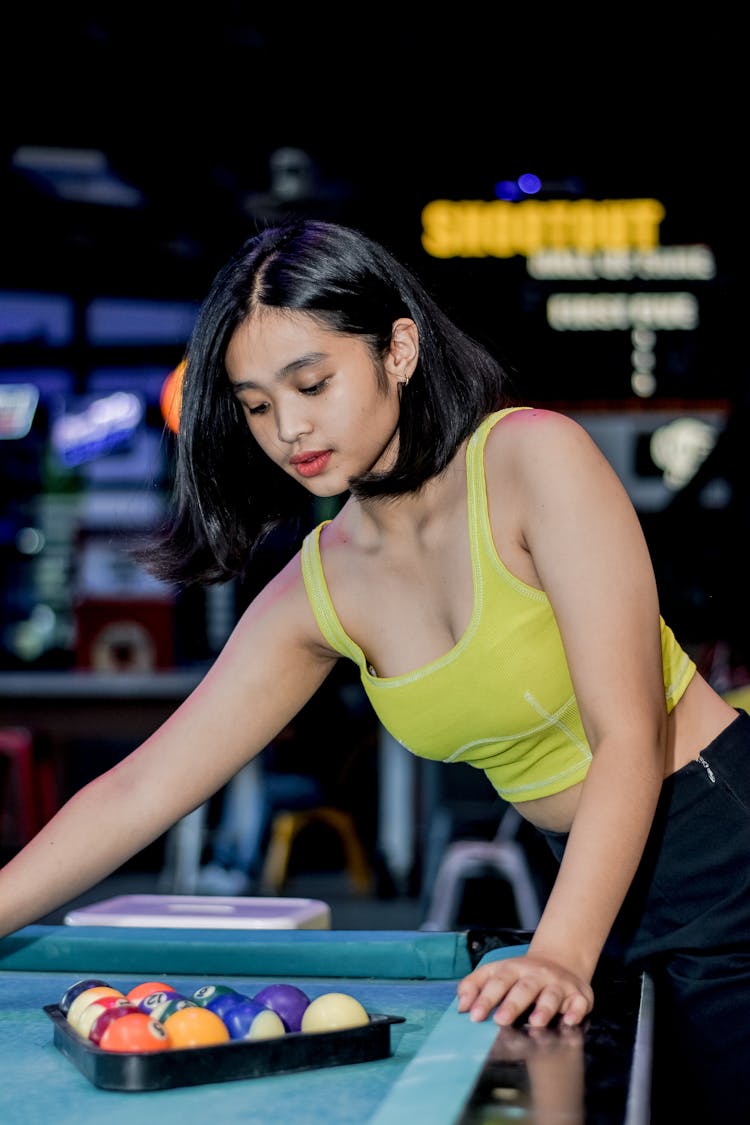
(96, 1008)
(83, 999)
(101, 1022)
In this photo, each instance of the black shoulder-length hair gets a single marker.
(227, 494)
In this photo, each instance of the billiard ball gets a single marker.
(133, 1032)
(170, 1005)
(70, 994)
(83, 999)
(333, 1011)
(194, 1026)
(224, 1001)
(138, 991)
(208, 992)
(98, 1025)
(252, 1020)
(96, 1008)
(152, 1000)
(287, 1001)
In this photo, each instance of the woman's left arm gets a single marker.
(589, 554)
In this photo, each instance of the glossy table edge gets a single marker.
(438, 1083)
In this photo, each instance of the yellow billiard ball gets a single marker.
(333, 1011)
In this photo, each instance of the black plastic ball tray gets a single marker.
(225, 1062)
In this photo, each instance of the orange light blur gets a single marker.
(170, 399)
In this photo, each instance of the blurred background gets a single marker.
(572, 190)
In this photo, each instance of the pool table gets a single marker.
(431, 1072)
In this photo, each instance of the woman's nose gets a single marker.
(292, 422)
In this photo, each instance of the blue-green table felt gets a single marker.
(437, 1053)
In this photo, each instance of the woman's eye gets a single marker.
(315, 389)
(257, 409)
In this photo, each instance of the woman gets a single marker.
(487, 572)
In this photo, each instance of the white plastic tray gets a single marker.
(205, 912)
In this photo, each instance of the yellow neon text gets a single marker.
(497, 229)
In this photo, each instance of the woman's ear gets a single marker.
(403, 351)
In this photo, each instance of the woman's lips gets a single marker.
(310, 464)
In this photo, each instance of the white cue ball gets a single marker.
(333, 1011)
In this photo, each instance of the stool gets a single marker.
(285, 828)
(464, 859)
(29, 791)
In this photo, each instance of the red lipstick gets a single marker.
(312, 463)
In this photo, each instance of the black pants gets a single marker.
(686, 920)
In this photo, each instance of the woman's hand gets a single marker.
(516, 984)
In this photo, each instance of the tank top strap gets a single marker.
(320, 599)
(480, 531)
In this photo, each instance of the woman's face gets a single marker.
(312, 398)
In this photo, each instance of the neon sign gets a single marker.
(584, 241)
(104, 424)
(498, 229)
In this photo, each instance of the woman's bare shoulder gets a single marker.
(282, 610)
(535, 420)
(535, 435)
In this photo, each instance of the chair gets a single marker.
(465, 859)
(29, 793)
(286, 827)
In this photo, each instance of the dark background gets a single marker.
(395, 107)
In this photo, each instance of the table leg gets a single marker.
(184, 845)
(397, 774)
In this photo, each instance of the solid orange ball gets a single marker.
(195, 1027)
(138, 991)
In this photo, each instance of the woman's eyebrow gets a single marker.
(307, 360)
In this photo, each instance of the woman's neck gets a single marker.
(408, 516)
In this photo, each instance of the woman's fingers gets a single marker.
(521, 984)
(576, 1008)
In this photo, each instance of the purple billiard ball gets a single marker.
(287, 1001)
(252, 1020)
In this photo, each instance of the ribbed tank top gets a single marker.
(501, 699)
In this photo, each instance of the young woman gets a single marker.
(488, 574)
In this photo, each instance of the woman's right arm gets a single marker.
(272, 664)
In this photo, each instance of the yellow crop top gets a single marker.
(501, 699)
